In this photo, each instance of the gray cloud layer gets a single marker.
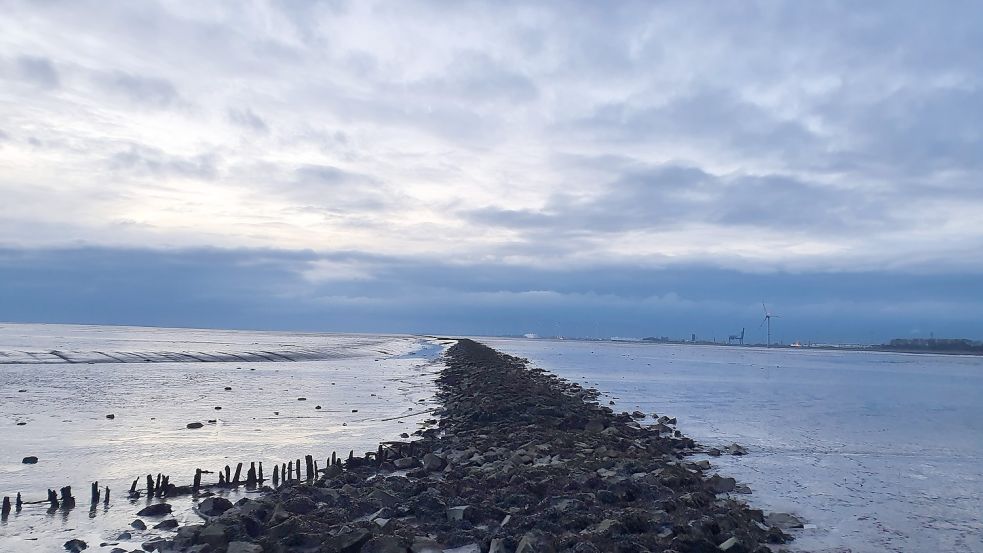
(834, 137)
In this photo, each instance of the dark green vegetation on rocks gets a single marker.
(520, 461)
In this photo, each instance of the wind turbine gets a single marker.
(767, 320)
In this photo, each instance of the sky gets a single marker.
(561, 168)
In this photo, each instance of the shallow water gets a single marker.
(879, 451)
(387, 379)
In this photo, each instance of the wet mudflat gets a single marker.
(359, 390)
(877, 451)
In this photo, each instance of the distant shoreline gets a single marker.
(881, 348)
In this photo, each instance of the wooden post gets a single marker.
(157, 486)
(276, 475)
(381, 455)
(251, 474)
(67, 501)
(283, 472)
(20, 503)
(5, 509)
(290, 471)
(164, 483)
(235, 480)
(95, 493)
(221, 478)
(261, 479)
(334, 458)
(150, 486)
(315, 468)
(133, 487)
(105, 500)
(228, 474)
(53, 499)
(197, 482)
(298, 469)
(309, 460)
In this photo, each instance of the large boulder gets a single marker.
(75, 545)
(155, 510)
(300, 505)
(536, 541)
(432, 463)
(721, 484)
(214, 506)
(30, 460)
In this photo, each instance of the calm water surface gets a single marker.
(879, 451)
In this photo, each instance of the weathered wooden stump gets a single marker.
(95, 493)
(67, 500)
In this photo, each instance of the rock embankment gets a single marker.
(520, 461)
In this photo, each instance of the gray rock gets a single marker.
(244, 547)
(138, 524)
(432, 463)
(168, 524)
(155, 544)
(594, 426)
(728, 544)
(535, 541)
(215, 535)
(783, 521)
(75, 545)
(458, 513)
(405, 463)
(720, 484)
(124, 536)
(30, 460)
(383, 499)
(194, 425)
(735, 449)
(155, 510)
(214, 506)
(347, 542)
(300, 505)
(497, 545)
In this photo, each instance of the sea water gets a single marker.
(875, 451)
(61, 381)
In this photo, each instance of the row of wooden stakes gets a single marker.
(161, 486)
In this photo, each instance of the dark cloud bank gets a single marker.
(276, 289)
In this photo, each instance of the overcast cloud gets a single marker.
(538, 142)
